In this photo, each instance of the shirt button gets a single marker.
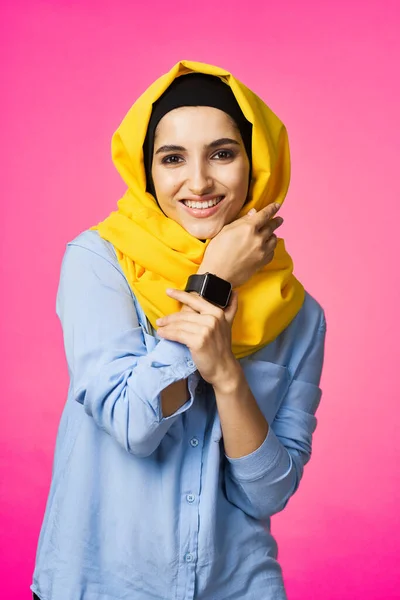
(194, 442)
(188, 557)
(190, 498)
(190, 363)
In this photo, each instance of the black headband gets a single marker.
(196, 89)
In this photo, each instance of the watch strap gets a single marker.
(195, 282)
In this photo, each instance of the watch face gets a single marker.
(217, 290)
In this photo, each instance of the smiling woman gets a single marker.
(198, 154)
(195, 357)
(200, 182)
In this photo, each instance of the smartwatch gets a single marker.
(211, 288)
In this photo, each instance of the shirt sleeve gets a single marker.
(113, 374)
(262, 482)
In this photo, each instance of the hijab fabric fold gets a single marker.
(156, 252)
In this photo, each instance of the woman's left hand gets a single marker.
(206, 330)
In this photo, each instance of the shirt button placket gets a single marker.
(191, 485)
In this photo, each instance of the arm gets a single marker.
(243, 425)
(254, 246)
(174, 396)
(262, 481)
(113, 375)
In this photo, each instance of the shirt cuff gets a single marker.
(268, 457)
(166, 353)
(166, 363)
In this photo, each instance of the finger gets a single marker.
(195, 302)
(272, 225)
(185, 333)
(265, 214)
(269, 258)
(250, 213)
(232, 307)
(271, 243)
(271, 207)
(188, 317)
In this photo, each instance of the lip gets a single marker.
(202, 213)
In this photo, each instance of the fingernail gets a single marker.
(277, 205)
(252, 211)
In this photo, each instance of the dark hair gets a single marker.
(194, 89)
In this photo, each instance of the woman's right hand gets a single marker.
(242, 247)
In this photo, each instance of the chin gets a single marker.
(202, 232)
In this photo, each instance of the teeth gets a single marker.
(206, 204)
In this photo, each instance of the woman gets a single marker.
(190, 413)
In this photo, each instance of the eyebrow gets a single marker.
(214, 144)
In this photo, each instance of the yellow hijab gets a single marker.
(155, 252)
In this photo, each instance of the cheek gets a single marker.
(165, 183)
(237, 182)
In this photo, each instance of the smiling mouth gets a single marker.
(203, 204)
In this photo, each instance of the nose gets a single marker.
(200, 181)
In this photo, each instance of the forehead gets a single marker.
(195, 123)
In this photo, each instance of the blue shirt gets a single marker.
(146, 507)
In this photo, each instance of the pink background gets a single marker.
(70, 72)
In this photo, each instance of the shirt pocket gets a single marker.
(269, 383)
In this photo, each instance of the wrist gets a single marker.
(229, 378)
(214, 269)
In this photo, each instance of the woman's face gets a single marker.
(200, 169)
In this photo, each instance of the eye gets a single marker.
(172, 159)
(223, 154)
